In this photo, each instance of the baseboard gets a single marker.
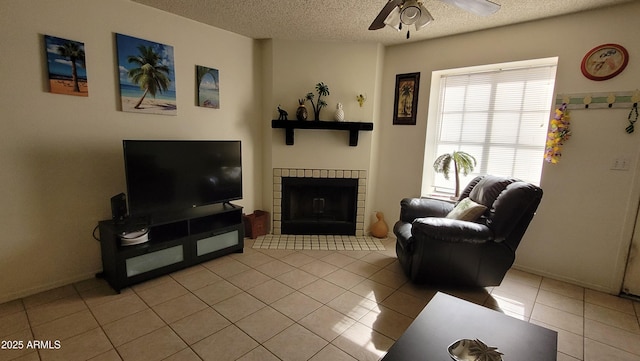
(568, 280)
(630, 297)
(46, 287)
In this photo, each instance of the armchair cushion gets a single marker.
(488, 189)
(450, 230)
(514, 206)
(412, 208)
(467, 210)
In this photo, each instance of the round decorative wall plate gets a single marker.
(604, 61)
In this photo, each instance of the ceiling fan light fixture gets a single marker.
(410, 12)
(425, 18)
(403, 12)
(393, 20)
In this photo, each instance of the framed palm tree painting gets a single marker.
(66, 66)
(147, 76)
(405, 105)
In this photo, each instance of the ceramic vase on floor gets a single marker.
(379, 229)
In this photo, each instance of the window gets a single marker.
(498, 114)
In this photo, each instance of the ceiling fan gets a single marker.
(397, 13)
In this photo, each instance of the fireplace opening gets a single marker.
(319, 205)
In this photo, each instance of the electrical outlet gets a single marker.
(624, 164)
(620, 164)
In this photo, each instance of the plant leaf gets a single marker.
(442, 164)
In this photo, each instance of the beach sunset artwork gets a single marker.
(66, 66)
(208, 80)
(147, 76)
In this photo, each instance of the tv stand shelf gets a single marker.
(175, 242)
(354, 128)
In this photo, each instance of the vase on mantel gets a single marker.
(301, 112)
(380, 229)
(339, 115)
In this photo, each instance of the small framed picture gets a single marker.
(405, 105)
(604, 62)
(67, 67)
(208, 82)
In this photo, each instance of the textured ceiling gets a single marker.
(348, 20)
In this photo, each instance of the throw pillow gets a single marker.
(467, 210)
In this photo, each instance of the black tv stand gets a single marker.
(175, 242)
(130, 224)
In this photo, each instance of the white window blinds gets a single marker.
(500, 117)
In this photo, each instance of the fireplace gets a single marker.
(318, 201)
(319, 205)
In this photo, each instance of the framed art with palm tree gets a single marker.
(405, 105)
(66, 66)
(147, 76)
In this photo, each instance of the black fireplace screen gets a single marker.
(319, 205)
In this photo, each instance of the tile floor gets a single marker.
(293, 305)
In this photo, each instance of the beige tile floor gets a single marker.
(293, 305)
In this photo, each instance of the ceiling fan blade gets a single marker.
(480, 7)
(378, 22)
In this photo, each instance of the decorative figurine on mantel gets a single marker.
(301, 112)
(283, 113)
(323, 90)
(339, 116)
(361, 98)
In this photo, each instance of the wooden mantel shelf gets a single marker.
(353, 128)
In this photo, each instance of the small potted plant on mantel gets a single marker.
(462, 161)
(323, 90)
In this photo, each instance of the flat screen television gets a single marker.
(174, 176)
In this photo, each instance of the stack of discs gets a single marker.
(135, 237)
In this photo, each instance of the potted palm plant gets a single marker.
(462, 161)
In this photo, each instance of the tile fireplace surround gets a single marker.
(278, 173)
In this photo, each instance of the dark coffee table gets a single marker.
(447, 319)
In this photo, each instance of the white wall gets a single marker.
(61, 155)
(348, 69)
(583, 227)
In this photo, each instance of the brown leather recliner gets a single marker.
(442, 251)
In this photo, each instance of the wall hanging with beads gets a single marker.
(632, 118)
(559, 132)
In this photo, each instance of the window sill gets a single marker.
(441, 196)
